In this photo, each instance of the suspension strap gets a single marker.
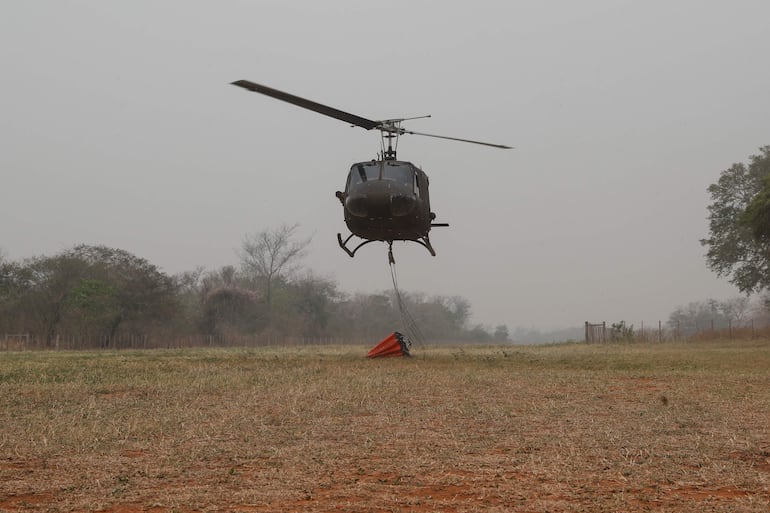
(410, 325)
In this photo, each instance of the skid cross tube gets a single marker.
(422, 241)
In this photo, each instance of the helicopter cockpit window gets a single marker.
(398, 173)
(364, 172)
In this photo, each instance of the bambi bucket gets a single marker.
(393, 345)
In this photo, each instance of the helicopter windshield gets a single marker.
(378, 170)
(398, 172)
(364, 172)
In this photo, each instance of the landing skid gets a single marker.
(422, 241)
(425, 242)
(344, 245)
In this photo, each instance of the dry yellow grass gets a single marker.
(672, 427)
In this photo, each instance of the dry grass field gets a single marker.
(618, 428)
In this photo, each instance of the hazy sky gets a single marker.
(118, 126)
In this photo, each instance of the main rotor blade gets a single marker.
(368, 124)
(458, 139)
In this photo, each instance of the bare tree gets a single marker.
(270, 255)
(737, 309)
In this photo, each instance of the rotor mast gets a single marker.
(392, 139)
(390, 129)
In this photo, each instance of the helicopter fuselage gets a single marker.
(384, 200)
(387, 200)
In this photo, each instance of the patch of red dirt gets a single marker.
(760, 459)
(13, 464)
(698, 493)
(26, 501)
(136, 508)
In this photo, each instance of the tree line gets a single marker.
(102, 293)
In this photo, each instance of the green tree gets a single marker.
(145, 296)
(738, 245)
(86, 289)
(91, 306)
(757, 214)
(13, 286)
(622, 332)
(41, 288)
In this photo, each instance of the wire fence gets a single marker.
(32, 342)
(659, 331)
(595, 333)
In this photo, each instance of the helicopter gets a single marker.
(385, 199)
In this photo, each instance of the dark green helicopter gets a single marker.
(385, 199)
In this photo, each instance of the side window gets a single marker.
(417, 185)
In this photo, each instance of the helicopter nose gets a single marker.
(358, 206)
(396, 205)
(401, 205)
(379, 199)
